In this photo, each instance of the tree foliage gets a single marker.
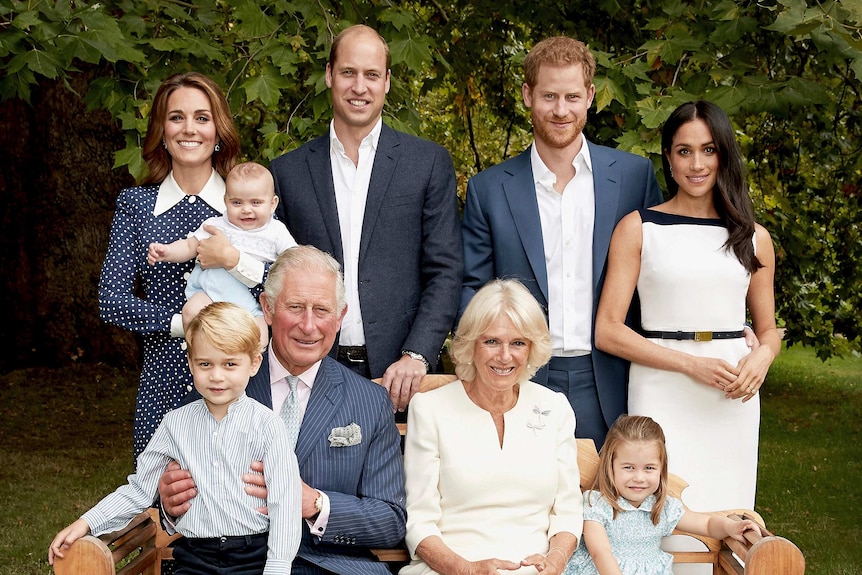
(789, 73)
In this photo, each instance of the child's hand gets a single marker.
(156, 253)
(736, 529)
(65, 538)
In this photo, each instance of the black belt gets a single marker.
(693, 335)
(353, 353)
(228, 542)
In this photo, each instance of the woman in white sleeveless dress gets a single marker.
(699, 263)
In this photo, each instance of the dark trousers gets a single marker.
(574, 377)
(358, 367)
(245, 555)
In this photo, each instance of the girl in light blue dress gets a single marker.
(628, 511)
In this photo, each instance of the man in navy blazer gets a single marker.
(348, 448)
(384, 205)
(546, 216)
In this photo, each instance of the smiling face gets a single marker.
(694, 159)
(637, 469)
(219, 376)
(359, 81)
(500, 355)
(305, 319)
(249, 203)
(190, 133)
(559, 102)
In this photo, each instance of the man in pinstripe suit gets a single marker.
(348, 447)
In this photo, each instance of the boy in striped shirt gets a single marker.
(215, 438)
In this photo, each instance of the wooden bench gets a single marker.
(140, 547)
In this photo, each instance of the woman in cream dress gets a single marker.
(700, 264)
(491, 460)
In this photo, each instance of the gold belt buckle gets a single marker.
(703, 336)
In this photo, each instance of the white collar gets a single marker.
(170, 194)
(371, 139)
(541, 171)
(278, 372)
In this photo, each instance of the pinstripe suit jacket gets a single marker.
(364, 482)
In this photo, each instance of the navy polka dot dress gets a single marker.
(143, 298)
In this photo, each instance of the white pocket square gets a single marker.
(345, 436)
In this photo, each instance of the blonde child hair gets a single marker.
(227, 326)
(630, 429)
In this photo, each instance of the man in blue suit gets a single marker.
(384, 205)
(546, 216)
(348, 447)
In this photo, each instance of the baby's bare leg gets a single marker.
(193, 306)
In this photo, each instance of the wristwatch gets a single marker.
(417, 356)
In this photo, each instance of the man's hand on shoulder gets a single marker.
(176, 490)
(401, 380)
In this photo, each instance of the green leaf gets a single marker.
(673, 48)
(38, 61)
(856, 66)
(729, 98)
(652, 112)
(127, 156)
(801, 92)
(796, 21)
(253, 22)
(400, 19)
(26, 20)
(266, 86)
(414, 51)
(607, 90)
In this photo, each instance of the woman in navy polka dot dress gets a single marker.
(190, 146)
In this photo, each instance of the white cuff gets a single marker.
(177, 325)
(248, 270)
(318, 526)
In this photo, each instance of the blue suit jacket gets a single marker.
(364, 482)
(502, 236)
(410, 256)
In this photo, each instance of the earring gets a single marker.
(217, 147)
(671, 172)
(164, 144)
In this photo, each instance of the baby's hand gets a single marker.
(65, 538)
(156, 253)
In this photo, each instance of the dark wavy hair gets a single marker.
(730, 196)
(157, 158)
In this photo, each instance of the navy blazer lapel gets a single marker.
(606, 182)
(385, 160)
(520, 192)
(320, 167)
(325, 401)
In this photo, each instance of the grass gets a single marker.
(65, 441)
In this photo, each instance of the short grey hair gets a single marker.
(304, 260)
